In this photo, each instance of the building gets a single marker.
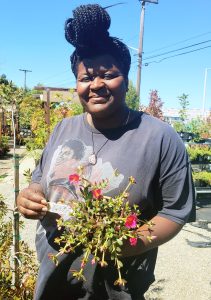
(172, 114)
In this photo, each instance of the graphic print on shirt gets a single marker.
(65, 161)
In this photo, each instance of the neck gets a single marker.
(113, 121)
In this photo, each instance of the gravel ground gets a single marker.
(183, 270)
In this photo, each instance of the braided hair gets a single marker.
(88, 32)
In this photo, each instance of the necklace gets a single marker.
(93, 157)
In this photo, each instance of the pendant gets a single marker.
(92, 159)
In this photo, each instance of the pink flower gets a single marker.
(74, 178)
(131, 221)
(93, 261)
(133, 241)
(97, 194)
(82, 264)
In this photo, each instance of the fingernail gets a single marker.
(43, 201)
(43, 213)
(44, 209)
(41, 217)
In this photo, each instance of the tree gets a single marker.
(33, 116)
(3, 79)
(201, 128)
(132, 98)
(10, 95)
(180, 126)
(184, 103)
(155, 105)
(10, 98)
(28, 106)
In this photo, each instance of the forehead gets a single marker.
(98, 63)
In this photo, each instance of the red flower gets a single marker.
(131, 221)
(74, 178)
(97, 194)
(133, 241)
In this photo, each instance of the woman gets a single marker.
(106, 137)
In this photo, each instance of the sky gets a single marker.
(32, 38)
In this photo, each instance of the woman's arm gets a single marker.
(162, 231)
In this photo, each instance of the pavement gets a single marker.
(183, 269)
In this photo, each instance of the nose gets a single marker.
(97, 83)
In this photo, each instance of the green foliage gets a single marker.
(179, 126)
(199, 152)
(3, 79)
(4, 145)
(27, 267)
(132, 99)
(28, 175)
(76, 109)
(184, 103)
(10, 95)
(203, 177)
(3, 176)
(201, 128)
(35, 114)
(28, 106)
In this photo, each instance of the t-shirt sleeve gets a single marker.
(37, 173)
(176, 185)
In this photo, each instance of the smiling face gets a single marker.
(101, 86)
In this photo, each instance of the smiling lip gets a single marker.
(99, 99)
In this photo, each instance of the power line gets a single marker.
(114, 5)
(179, 49)
(62, 82)
(146, 64)
(180, 42)
(55, 75)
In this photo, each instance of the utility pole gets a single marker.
(140, 49)
(205, 90)
(25, 71)
(47, 105)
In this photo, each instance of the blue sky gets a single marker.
(32, 37)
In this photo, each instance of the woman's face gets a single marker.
(101, 86)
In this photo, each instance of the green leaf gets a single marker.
(119, 242)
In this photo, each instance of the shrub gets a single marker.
(27, 262)
(199, 152)
(4, 145)
(202, 178)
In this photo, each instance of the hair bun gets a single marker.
(88, 27)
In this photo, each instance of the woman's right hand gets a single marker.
(31, 202)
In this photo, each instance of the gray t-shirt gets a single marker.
(147, 149)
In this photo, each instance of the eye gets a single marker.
(109, 76)
(85, 78)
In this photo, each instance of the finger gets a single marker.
(31, 205)
(30, 214)
(33, 196)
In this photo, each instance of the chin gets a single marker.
(99, 110)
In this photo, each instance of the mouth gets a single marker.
(96, 99)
